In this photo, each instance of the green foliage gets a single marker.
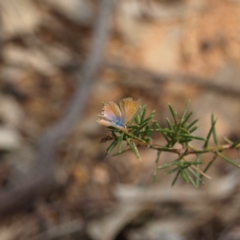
(179, 132)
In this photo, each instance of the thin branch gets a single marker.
(189, 151)
(44, 179)
(200, 171)
(61, 230)
(162, 77)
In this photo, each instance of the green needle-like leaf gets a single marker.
(184, 175)
(166, 165)
(192, 124)
(144, 123)
(138, 119)
(166, 137)
(227, 159)
(134, 148)
(116, 154)
(210, 163)
(193, 129)
(111, 147)
(214, 130)
(194, 163)
(209, 134)
(143, 113)
(227, 140)
(191, 180)
(176, 177)
(198, 138)
(183, 131)
(174, 114)
(158, 156)
(120, 143)
(185, 112)
(185, 139)
(172, 171)
(169, 124)
(166, 130)
(195, 173)
(187, 118)
(147, 132)
(154, 125)
(135, 137)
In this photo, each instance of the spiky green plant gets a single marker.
(180, 132)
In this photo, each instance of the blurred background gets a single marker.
(159, 51)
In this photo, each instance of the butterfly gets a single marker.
(118, 116)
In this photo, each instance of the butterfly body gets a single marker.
(118, 116)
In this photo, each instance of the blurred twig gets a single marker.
(61, 230)
(44, 178)
(162, 77)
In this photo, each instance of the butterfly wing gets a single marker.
(129, 108)
(111, 116)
